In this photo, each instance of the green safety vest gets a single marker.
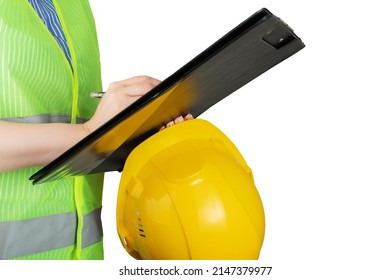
(58, 220)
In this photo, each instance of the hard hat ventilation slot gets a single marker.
(141, 232)
(140, 229)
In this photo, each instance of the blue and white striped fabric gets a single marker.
(46, 11)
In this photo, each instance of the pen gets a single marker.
(97, 94)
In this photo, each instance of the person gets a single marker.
(49, 64)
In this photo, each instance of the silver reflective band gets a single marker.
(45, 118)
(32, 236)
(92, 228)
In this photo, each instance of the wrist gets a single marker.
(86, 128)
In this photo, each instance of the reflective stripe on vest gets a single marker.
(27, 237)
(37, 85)
(44, 118)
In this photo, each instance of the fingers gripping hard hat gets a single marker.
(187, 193)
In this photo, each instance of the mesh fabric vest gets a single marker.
(58, 220)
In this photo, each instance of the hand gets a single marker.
(177, 120)
(118, 96)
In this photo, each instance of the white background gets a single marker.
(314, 129)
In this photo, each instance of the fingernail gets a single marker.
(179, 119)
(188, 117)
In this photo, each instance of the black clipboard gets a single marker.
(253, 47)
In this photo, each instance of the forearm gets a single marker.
(27, 145)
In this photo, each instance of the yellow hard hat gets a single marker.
(187, 193)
